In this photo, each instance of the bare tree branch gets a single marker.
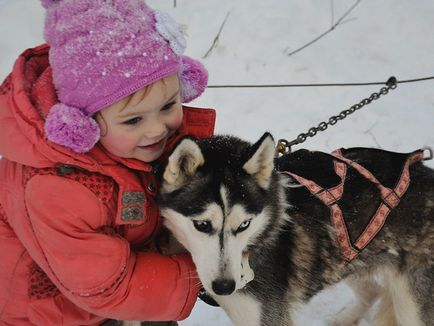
(338, 22)
(347, 21)
(214, 43)
(346, 13)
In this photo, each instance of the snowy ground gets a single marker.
(376, 40)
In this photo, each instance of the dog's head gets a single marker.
(217, 197)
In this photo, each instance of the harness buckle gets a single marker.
(430, 153)
(284, 147)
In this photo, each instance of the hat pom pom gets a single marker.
(48, 3)
(193, 78)
(70, 127)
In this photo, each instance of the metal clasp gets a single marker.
(284, 147)
(430, 153)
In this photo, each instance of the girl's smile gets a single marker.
(155, 146)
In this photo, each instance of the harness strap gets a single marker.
(327, 196)
(390, 199)
(385, 192)
(330, 197)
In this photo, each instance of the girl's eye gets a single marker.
(203, 226)
(133, 121)
(168, 106)
(243, 226)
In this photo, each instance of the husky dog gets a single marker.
(235, 212)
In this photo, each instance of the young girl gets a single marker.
(84, 123)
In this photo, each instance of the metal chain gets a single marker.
(284, 146)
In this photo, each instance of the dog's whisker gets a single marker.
(189, 277)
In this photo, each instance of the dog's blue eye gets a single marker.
(203, 226)
(243, 226)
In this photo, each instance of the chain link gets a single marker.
(284, 146)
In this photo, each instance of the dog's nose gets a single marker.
(223, 286)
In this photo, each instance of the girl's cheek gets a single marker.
(177, 120)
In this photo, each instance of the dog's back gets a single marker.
(400, 255)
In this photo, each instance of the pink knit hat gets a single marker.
(104, 50)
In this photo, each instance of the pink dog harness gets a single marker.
(390, 198)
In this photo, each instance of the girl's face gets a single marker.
(139, 125)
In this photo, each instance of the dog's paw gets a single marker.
(247, 273)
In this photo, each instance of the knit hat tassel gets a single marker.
(193, 79)
(70, 127)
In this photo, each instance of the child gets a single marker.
(84, 122)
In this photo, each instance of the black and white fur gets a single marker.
(227, 205)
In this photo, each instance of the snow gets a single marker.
(376, 40)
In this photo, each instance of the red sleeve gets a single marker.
(99, 272)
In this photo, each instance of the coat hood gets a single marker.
(25, 97)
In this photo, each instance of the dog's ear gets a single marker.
(260, 163)
(182, 164)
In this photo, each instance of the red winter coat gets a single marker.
(71, 225)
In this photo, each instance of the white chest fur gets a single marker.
(242, 309)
